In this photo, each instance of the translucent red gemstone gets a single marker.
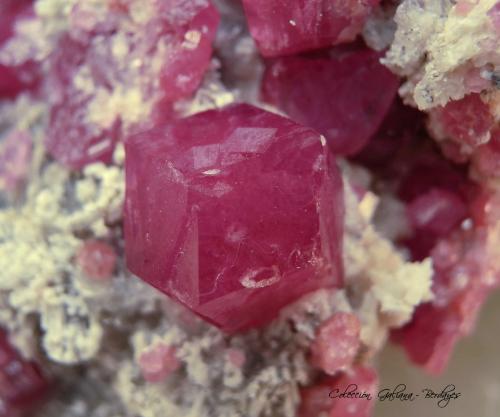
(345, 97)
(234, 213)
(22, 385)
(284, 27)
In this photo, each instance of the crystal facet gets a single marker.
(233, 212)
(284, 27)
(344, 97)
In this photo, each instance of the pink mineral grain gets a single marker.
(235, 213)
(158, 362)
(96, 259)
(345, 97)
(284, 27)
(106, 81)
(336, 344)
(22, 385)
(15, 157)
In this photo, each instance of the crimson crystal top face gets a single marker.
(234, 212)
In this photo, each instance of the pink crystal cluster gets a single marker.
(237, 212)
(102, 56)
(22, 385)
(452, 220)
(234, 212)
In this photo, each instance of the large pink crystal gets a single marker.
(284, 27)
(22, 385)
(234, 213)
(345, 97)
(97, 67)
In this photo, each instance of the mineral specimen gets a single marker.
(283, 27)
(234, 213)
(345, 97)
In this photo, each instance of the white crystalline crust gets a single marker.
(54, 313)
(436, 46)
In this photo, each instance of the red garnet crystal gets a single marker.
(345, 97)
(284, 27)
(234, 212)
(21, 383)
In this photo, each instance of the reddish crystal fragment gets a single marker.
(235, 213)
(14, 79)
(344, 97)
(22, 385)
(331, 396)
(467, 121)
(97, 260)
(284, 27)
(193, 28)
(336, 343)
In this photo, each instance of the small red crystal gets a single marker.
(284, 27)
(336, 343)
(96, 259)
(344, 97)
(235, 213)
(22, 385)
